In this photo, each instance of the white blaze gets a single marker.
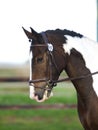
(31, 56)
(89, 51)
(32, 91)
(32, 86)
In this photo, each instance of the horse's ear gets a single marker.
(33, 31)
(30, 35)
(36, 35)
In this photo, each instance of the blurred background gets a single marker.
(17, 111)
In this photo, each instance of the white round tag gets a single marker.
(50, 47)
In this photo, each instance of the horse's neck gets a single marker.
(83, 87)
(76, 67)
(88, 50)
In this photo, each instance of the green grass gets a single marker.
(31, 119)
(39, 119)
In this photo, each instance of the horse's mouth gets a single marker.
(40, 97)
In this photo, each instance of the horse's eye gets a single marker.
(39, 59)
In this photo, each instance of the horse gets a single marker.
(53, 51)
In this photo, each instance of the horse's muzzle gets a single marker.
(40, 95)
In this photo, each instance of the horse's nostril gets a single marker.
(40, 96)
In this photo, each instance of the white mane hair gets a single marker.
(89, 50)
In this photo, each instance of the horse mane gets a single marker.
(64, 32)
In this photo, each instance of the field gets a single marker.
(36, 119)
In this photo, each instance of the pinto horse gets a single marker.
(53, 51)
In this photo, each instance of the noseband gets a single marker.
(50, 82)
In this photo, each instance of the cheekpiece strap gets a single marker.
(50, 46)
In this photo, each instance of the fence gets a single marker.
(35, 106)
(46, 106)
(14, 79)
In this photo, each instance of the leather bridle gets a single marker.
(50, 82)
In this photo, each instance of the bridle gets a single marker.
(50, 82)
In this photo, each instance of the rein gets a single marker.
(50, 82)
(65, 79)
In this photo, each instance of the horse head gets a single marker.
(44, 64)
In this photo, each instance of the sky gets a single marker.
(41, 15)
